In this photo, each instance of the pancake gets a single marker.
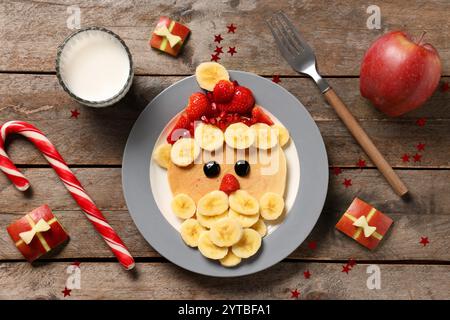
(267, 173)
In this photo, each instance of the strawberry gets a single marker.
(229, 184)
(259, 116)
(179, 130)
(197, 106)
(212, 110)
(242, 102)
(191, 129)
(223, 91)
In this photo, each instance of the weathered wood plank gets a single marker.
(166, 281)
(31, 31)
(425, 214)
(40, 100)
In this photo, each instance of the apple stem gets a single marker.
(421, 37)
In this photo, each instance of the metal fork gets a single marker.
(302, 59)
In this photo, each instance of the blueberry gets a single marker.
(242, 168)
(211, 169)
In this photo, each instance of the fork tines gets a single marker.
(286, 35)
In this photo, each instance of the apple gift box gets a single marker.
(169, 36)
(364, 223)
(36, 233)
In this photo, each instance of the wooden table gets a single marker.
(92, 144)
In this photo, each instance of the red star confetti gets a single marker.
(347, 183)
(405, 157)
(421, 122)
(361, 163)
(276, 79)
(445, 87)
(307, 274)
(346, 268)
(215, 57)
(312, 245)
(218, 38)
(295, 294)
(424, 241)
(231, 28)
(218, 50)
(66, 292)
(351, 262)
(337, 171)
(232, 50)
(421, 147)
(417, 157)
(76, 263)
(75, 113)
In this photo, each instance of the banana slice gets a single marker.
(208, 221)
(283, 134)
(209, 73)
(230, 260)
(272, 205)
(239, 136)
(190, 231)
(245, 220)
(162, 155)
(213, 203)
(209, 249)
(184, 152)
(248, 245)
(265, 137)
(225, 232)
(260, 227)
(242, 202)
(183, 206)
(208, 137)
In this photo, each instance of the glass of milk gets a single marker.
(94, 67)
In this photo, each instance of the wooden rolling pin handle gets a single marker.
(366, 143)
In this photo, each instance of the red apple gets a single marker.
(399, 75)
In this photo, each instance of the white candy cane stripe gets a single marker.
(12, 172)
(34, 135)
(69, 180)
(78, 192)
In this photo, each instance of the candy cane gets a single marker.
(68, 178)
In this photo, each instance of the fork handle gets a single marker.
(365, 142)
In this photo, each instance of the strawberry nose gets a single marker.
(229, 184)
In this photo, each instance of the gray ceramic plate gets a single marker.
(307, 204)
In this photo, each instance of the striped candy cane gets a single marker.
(68, 178)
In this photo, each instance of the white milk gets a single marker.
(94, 65)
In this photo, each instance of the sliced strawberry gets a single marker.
(223, 91)
(242, 102)
(247, 121)
(191, 129)
(212, 110)
(204, 119)
(258, 115)
(180, 130)
(197, 106)
(222, 125)
(229, 184)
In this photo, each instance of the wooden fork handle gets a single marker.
(365, 142)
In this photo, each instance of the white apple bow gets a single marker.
(162, 31)
(41, 226)
(364, 224)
